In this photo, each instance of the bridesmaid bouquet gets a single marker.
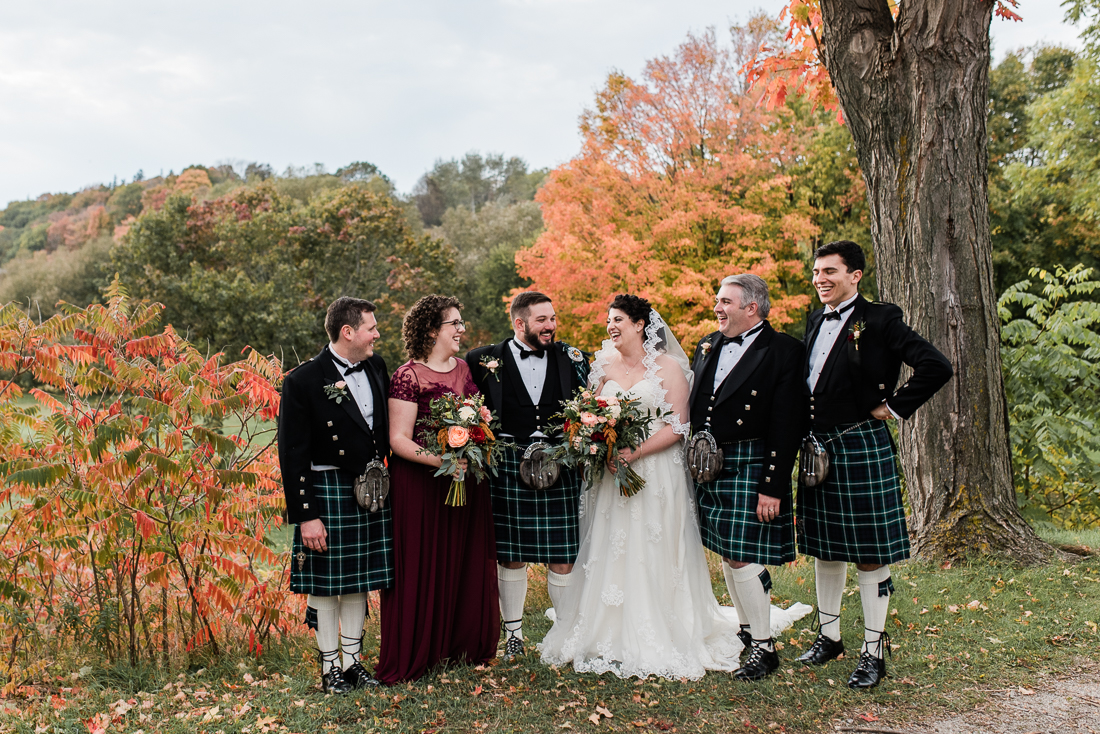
(594, 428)
(461, 428)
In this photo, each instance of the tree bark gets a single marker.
(914, 91)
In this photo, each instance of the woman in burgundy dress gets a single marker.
(443, 604)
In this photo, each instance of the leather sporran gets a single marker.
(704, 457)
(372, 487)
(813, 466)
(538, 470)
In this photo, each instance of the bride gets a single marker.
(645, 604)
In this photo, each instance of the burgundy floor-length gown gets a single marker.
(443, 604)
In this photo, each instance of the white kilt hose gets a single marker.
(857, 513)
(360, 544)
(727, 511)
(534, 525)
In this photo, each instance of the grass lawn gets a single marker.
(959, 633)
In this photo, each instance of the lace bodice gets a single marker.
(418, 383)
(646, 391)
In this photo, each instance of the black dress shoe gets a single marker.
(761, 663)
(513, 647)
(333, 681)
(357, 676)
(822, 651)
(869, 672)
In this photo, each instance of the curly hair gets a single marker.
(423, 318)
(635, 307)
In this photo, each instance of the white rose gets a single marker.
(466, 413)
(615, 411)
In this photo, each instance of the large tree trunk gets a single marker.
(914, 92)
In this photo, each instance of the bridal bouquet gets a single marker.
(594, 428)
(461, 428)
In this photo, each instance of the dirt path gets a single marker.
(1058, 705)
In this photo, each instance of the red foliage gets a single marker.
(127, 502)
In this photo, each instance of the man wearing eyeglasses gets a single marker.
(524, 379)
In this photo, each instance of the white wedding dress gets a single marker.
(641, 601)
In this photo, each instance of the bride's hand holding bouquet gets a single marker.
(594, 430)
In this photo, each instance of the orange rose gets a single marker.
(457, 436)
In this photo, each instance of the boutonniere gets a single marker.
(492, 365)
(855, 331)
(706, 347)
(337, 391)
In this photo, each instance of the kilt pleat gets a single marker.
(360, 544)
(727, 511)
(857, 514)
(534, 525)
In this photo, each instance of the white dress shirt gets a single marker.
(825, 339)
(359, 387)
(731, 354)
(531, 370)
(533, 373)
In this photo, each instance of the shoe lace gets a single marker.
(876, 648)
(329, 656)
(757, 653)
(818, 623)
(353, 648)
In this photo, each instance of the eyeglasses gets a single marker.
(457, 323)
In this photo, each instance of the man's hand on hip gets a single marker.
(314, 534)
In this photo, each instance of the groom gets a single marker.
(748, 395)
(524, 380)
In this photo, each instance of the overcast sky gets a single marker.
(94, 90)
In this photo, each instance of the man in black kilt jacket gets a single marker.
(524, 380)
(854, 352)
(748, 395)
(332, 423)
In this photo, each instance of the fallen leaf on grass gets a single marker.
(1026, 691)
(604, 712)
(594, 718)
(868, 717)
(476, 691)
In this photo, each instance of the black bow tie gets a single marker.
(738, 340)
(525, 353)
(835, 315)
(348, 368)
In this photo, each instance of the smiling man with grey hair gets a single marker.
(747, 408)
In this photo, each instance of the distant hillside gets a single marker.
(54, 222)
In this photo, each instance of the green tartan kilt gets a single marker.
(360, 544)
(534, 525)
(857, 513)
(727, 511)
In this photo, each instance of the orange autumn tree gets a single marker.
(138, 485)
(683, 179)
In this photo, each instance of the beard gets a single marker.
(532, 337)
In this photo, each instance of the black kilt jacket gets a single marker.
(313, 429)
(572, 369)
(761, 398)
(861, 373)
